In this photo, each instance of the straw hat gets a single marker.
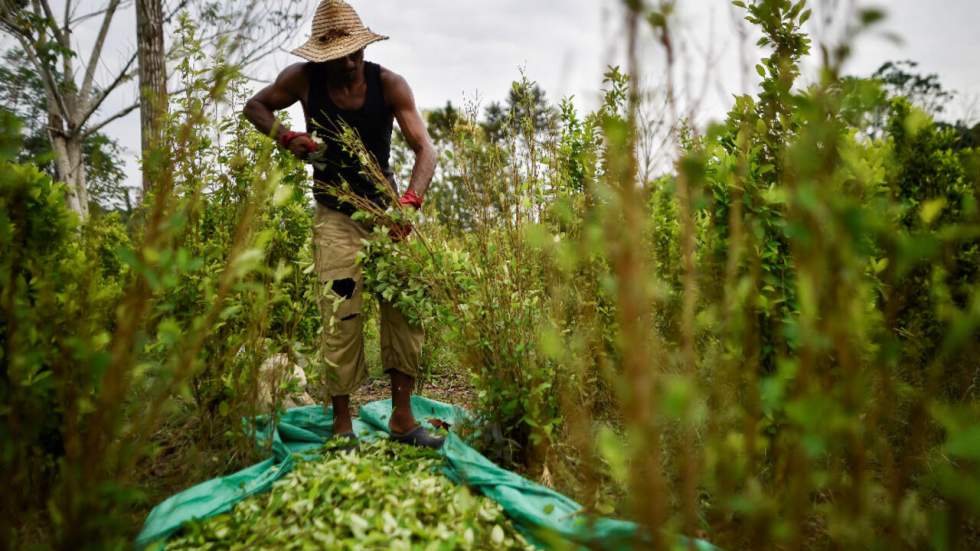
(337, 31)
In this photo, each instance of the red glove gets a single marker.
(410, 198)
(401, 231)
(304, 143)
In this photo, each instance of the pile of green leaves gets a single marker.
(383, 496)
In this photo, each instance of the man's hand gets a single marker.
(408, 199)
(290, 86)
(299, 143)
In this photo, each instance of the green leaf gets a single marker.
(247, 261)
(965, 444)
(282, 194)
(497, 535)
(931, 209)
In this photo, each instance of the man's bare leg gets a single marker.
(341, 414)
(402, 420)
(402, 424)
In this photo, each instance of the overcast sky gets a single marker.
(466, 49)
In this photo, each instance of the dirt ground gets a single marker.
(451, 387)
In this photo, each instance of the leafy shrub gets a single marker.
(61, 284)
(106, 330)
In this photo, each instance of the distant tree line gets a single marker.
(53, 87)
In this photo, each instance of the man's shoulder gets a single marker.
(388, 76)
(393, 84)
(294, 72)
(293, 81)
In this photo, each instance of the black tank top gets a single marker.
(373, 121)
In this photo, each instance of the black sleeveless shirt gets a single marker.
(373, 121)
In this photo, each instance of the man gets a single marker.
(335, 85)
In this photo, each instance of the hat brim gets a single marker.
(317, 52)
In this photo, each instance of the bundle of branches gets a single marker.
(422, 281)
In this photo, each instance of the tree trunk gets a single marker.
(152, 80)
(70, 169)
(69, 164)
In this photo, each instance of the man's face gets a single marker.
(348, 67)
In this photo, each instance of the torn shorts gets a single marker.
(336, 242)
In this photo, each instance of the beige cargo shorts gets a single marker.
(336, 242)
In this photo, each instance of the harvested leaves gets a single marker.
(382, 496)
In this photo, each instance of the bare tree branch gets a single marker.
(257, 80)
(96, 13)
(70, 16)
(118, 115)
(64, 39)
(251, 41)
(124, 74)
(93, 60)
(52, 22)
(255, 55)
(180, 5)
(50, 83)
(8, 18)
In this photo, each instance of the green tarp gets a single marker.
(306, 428)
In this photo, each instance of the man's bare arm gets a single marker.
(402, 102)
(285, 91)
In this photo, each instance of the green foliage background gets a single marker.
(772, 344)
